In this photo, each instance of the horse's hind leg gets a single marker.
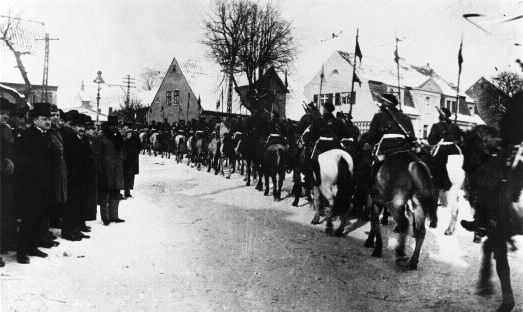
(418, 225)
(485, 286)
(503, 270)
(452, 202)
(385, 218)
(274, 186)
(266, 193)
(316, 205)
(403, 227)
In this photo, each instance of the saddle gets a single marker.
(274, 138)
(390, 143)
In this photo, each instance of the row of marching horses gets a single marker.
(402, 186)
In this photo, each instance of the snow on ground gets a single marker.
(193, 241)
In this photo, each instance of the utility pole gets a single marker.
(129, 82)
(43, 96)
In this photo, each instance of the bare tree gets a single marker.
(151, 78)
(16, 39)
(243, 37)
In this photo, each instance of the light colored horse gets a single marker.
(335, 183)
(451, 198)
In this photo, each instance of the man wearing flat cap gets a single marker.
(7, 166)
(111, 174)
(33, 173)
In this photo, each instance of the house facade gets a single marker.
(36, 92)
(421, 91)
(189, 90)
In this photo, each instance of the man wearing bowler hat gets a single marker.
(33, 173)
(7, 215)
(111, 174)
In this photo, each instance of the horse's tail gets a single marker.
(424, 190)
(344, 183)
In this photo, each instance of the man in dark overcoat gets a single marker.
(76, 157)
(33, 173)
(131, 165)
(110, 176)
(7, 214)
(92, 183)
(58, 182)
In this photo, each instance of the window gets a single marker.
(334, 72)
(174, 68)
(337, 99)
(471, 109)
(345, 98)
(168, 98)
(451, 105)
(425, 131)
(323, 98)
(176, 97)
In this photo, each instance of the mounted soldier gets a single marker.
(390, 129)
(446, 163)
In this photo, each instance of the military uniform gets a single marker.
(446, 138)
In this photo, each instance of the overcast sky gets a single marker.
(123, 37)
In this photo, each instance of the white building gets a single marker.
(421, 88)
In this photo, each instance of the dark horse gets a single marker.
(403, 177)
(274, 167)
(494, 191)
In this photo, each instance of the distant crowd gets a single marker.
(56, 169)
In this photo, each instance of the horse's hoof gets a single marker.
(245, 179)
(396, 229)
(248, 183)
(402, 261)
(506, 306)
(384, 221)
(295, 203)
(369, 244)
(412, 265)
(477, 240)
(449, 232)
(266, 193)
(338, 232)
(485, 290)
(376, 253)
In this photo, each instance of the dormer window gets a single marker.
(334, 72)
(174, 68)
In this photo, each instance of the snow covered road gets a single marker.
(193, 241)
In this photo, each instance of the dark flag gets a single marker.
(358, 50)
(460, 56)
(355, 78)
(218, 102)
(396, 56)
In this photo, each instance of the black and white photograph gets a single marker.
(261, 155)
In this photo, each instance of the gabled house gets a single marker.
(421, 90)
(189, 90)
(272, 93)
(483, 91)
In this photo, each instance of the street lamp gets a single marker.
(98, 80)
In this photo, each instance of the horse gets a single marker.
(495, 191)
(334, 181)
(144, 141)
(213, 153)
(155, 142)
(251, 150)
(449, 190)
(227, 154)
(403, 177)
(299, 156)
(190, 150)
(239, 161)
(199, 148)
(274, 167)
(180, 146)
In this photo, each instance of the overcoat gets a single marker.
(58, 167)
(110, 153)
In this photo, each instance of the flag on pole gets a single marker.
(358, 50)
(322, 75)
(460, 56)
(355, 78)
(218, 102)
(396, 55)
(161, 109)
